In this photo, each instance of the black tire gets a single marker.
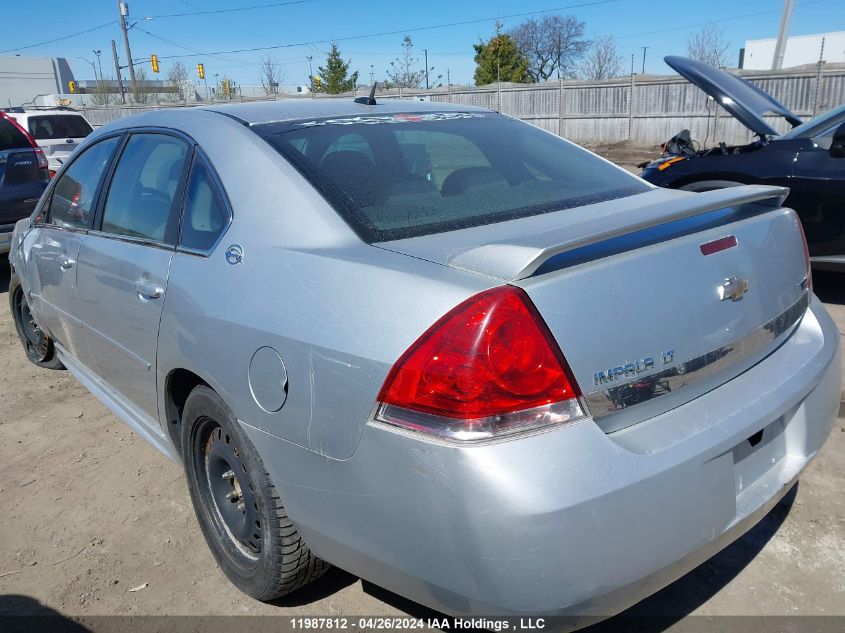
(38, 346)
(256, 546)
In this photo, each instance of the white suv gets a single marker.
(58, 131)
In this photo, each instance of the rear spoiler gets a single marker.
(520, 257)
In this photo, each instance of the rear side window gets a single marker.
(73, 196)
(11, 137)
(58, 126)
(205, 216)
(140, 201)
(403, 175)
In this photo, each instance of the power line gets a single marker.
(689, 26)
(187, 48)
(404, 31)
(59, 39)
(211, 11)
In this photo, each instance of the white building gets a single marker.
(800, 50)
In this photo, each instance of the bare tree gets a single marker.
(177, 77)
(709, 45)
(552, 43)
(602, 60)
(141, 92)
(105, 93)
(403, 71)
(271, 74)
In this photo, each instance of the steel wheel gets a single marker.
(230, 492)
(239, 509)
(36, 343)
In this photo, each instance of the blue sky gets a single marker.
(662, 25)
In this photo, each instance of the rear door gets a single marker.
(125, 261)
(59, 233)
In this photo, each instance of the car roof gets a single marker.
(41, 112)
(255, 113)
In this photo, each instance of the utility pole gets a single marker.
(372, 75)
(310, 73)
(558, 56)
(117, 70)
(123, 10)
(97, 53)
(425, 50)
(780, 47)
(645, 48)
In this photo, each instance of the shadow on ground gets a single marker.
(23, 614)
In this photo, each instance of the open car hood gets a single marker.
(745, 101)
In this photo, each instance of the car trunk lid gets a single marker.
(656, 301)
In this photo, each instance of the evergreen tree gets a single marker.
(499, 58)
(334, 78)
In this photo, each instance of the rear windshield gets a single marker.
(404, 175)
(59, 126)
(11, 137)
(824, 124)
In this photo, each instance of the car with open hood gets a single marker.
(809, 158)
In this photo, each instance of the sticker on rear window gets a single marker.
(395, 118)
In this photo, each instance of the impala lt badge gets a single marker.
(733, 288)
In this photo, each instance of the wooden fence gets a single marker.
(644, 110)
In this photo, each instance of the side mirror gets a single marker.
(837, 147)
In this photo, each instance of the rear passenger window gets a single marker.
(11, 137)
(141, 196)
(73, 196)
(205, 215)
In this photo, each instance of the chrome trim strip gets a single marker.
(603, 402)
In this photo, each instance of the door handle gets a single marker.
(66, 262)
(147, 289)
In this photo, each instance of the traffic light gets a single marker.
(200, 71)
(226, 87)
(71, 86)
(154, 62)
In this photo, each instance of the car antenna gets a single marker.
(371, 100)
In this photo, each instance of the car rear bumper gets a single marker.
(572, 522)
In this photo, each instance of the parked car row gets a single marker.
(441, 348)
(34, 143)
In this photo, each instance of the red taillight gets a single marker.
(806, 253)
(489, 366)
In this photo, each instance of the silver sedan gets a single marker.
(440, 348)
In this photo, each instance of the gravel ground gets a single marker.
(93, 521)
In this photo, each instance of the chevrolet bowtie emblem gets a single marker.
(733, 288)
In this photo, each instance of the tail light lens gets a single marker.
(42, 159)
(487, 368)
(806, 254)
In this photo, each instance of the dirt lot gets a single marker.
(89, 513)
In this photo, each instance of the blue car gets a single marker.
(23, 177)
